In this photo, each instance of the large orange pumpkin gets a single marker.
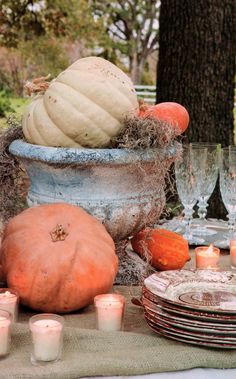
(1, 272)
(165, 249)
(58, 257)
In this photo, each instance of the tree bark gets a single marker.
(196, 67)
(136, 68)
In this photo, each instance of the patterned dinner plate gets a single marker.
(187, 313)
(166, 333)
(191, 324)
(193, 330)
(201, 290)
(191, 335)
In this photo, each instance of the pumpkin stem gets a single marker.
(142, 105)
(37, 85)
(58, 233)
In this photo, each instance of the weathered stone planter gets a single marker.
(118, 186)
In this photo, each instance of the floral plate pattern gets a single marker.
(205, 290)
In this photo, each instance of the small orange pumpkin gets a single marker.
(173, 113)
(167, 250)
(58, 257)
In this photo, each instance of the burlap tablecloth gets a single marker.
(88, 352)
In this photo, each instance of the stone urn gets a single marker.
(123, 188)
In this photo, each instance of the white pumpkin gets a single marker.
(84, 106)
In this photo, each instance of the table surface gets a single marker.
(138, 324)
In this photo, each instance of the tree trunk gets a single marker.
(136, 69)
(133, 67)
(197, 65)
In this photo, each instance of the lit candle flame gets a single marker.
(210, 249)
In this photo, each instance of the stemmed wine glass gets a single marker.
(188, 173)
(208, 182)
(228, 189)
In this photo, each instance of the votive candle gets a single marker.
(207, 258)
(46, 330)
(9, 302)
(109, 311)
(233, 254)
(5, 336)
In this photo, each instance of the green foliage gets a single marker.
(146, 78)
(19, 19)
(37, 34)
(43, 56)
(31, 59)
(5, 105)
(5, 81)
(26, 20)
(17, 106)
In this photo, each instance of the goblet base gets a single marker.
(203, 231)
(192, 240)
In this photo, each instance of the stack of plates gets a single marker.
(196, 307)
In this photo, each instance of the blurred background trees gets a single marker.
(132, 27)
(41, 37)
(195, 50)
(38, 37)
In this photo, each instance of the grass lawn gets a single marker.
(18, 104)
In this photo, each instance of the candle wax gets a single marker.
(207, 258)
(233, 253)
(8, 302)
(109, 311)
(46, 339)
(4, 335)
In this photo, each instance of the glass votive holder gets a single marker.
(207, 257)
(5, 333)
(233, 254)
(47, 337)
(109, 311)
(9, 301)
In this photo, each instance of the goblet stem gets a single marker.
(188, 235)
(202, 212)
(231, 234)
(231, 224)
(202, 209)
(188, 213)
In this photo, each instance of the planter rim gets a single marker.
(64, 155)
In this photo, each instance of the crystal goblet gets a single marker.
(228, 190)
(188, 174)
(207, 185)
